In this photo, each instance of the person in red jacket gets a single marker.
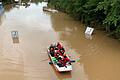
(56, 54)
(62, 51)
(61, 63)
(65, 58)
(59, 45)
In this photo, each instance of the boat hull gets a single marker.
(66, 68)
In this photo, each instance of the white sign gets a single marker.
(16, 0)
(89, 30)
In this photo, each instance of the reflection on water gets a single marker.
(96, 59)
(16, 40)
(87, 36)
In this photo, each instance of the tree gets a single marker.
(105, 12)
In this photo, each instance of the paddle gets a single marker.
(50, 62)
(72, 61)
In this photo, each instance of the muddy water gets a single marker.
(25, 57)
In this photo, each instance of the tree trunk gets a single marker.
(107, 28)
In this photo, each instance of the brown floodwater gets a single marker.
(23, 54)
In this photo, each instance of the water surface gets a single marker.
(25, 57)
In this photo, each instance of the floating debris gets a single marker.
(50, 10)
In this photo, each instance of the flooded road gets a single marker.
(25, 57)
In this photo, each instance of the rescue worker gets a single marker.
(62, 50)
(59, 45)
(56, 54)
(65, 59)
(54, 60)
(51, 46)
(60, 62)
(52, 52)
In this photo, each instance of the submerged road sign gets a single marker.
(14, 34)
(89, 30)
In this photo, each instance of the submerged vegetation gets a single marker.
(90, 12)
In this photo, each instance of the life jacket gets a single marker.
(59, 45)
(59, 52)
(62, 49)
(51, 49)
(56, 54)
(54, 60)
(62, 62)
(52, 53)
(65, 59)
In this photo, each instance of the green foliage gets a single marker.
(106, 12)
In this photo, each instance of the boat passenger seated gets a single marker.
(52, 53)
(66, 59)
(56, 54)
(54, 60)
(51, 47)
(56, 48)
(62, 51)
(60, 62)
(59, 45)
(60, 57)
